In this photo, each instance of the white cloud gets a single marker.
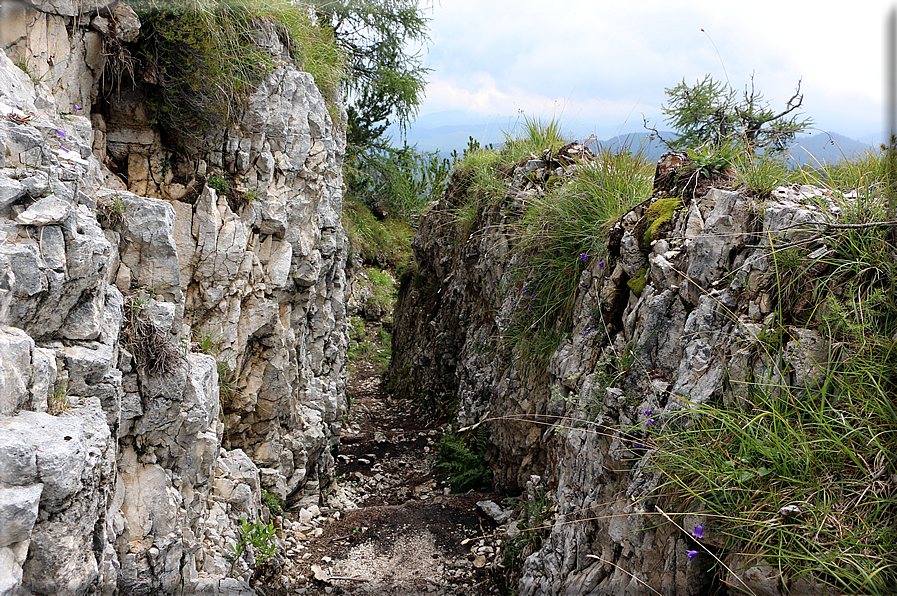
(602, 59)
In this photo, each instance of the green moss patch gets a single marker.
(659, 213)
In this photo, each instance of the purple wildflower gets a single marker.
(584, 257)
(649, 423)
(698, 532)
(586, 332)
(638, 445)
(524, 291)
(691, 554)
(75, 107)
(60, 132)
(601, 265)
(647, 412)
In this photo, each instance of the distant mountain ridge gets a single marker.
(444, 132)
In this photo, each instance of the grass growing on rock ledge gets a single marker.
(803, 475)
(558, 236)
(564, 225)
(201, 60)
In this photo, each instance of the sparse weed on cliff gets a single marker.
(58, 398)
(112, 213)
(151, 347)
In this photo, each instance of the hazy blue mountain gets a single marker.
(449, 131)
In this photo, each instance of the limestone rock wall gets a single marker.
(694, 326)
(117, 473)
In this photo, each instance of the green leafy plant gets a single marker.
(709, 159)
(274, 503)
(219, 184)
(257, 535)
(462, 460)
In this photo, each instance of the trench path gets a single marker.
(408, 535)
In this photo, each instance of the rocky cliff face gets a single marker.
(672, 345)
(121, 468)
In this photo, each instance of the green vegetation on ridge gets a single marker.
(801, 477)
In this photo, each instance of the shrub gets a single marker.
(462, 460)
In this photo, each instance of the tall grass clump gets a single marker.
(761, 173)
(560, 233)
(866, 174)
(200, 59)
(803, 474)
(486, 169)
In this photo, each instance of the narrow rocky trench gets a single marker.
(409, 534)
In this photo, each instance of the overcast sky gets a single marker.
(607, 62)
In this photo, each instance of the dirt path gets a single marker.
(408, 536)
